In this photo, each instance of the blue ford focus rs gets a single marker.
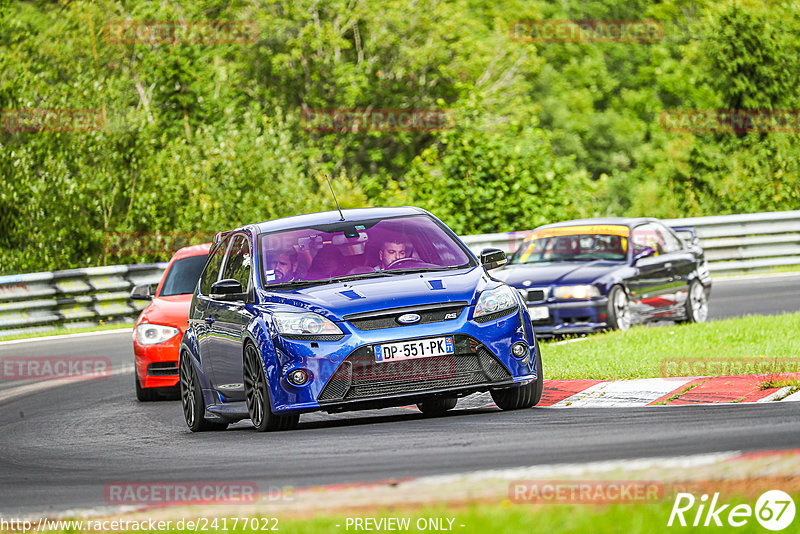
(362, 309)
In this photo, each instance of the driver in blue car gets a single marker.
(286, 265)
(391, 251)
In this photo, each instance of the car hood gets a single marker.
(358, 296)
(169, 311)
(562, 273)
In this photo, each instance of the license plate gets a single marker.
(539, 312)
(408, 350)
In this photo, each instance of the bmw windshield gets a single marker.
(577, 243)
(349, 250)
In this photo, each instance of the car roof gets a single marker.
(618, 221)
(329, 217)
(191, 250)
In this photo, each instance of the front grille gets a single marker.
(435, 313)
(361, 377)
(162, 369)
(536, 295)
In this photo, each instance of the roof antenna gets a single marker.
(334, 197)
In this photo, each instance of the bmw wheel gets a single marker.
(143, 394)
(619, 312)
(194, 410)
(257, 396)
(696, 303)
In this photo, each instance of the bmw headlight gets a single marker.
(304, 324)
(576, 292)
(152, 334)
(495, 300)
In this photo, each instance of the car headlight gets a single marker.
(304, 324)
(495, 300)
(152, 334)
(576, 292)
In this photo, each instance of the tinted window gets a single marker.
(237, 266)
(647, 235)
(671, 243)
(574, 243)
(397, 244)
(211, 274)
(183, 276)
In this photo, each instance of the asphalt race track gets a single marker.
(62, 443)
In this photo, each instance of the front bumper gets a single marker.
(571, 317)
(157, 365)
(344, 374)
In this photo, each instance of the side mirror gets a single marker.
(646, 252)
(142, 292)
(228, 289)
(492, 258)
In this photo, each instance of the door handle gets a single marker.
(210, 320)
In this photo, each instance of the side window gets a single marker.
(647, 235)
(211, 272)
(238, 265)
(671, 243)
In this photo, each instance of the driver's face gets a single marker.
(284, 269)
(392, 252)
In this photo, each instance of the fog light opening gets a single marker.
(298, 377)
(519, 349)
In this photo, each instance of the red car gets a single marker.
(159, 328)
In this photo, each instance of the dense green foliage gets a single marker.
(203, 137)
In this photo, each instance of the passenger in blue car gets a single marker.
(286, 266)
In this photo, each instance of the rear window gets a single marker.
(183, 276)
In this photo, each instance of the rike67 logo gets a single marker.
(774, 510)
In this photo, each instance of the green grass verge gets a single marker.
(63, 331)
(747, 345)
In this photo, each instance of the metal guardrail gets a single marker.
(38, 302)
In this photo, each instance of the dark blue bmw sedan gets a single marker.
(596, 274)
(362, 309)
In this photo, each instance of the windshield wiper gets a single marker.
(419, 270)
(323, 281)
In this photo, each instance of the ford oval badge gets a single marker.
(408, 318)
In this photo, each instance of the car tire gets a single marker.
(618, 309)
(434, 407)
(144, 394)
(257, 396)
(696, 307)
(194, 410)
(521, 397)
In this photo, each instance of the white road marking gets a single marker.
(41, 385)
(776, 394)
(621, 393)
(66, 336)
(794, 397)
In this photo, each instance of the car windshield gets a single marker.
(358, 249)
(573, 244)
(183, 276)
